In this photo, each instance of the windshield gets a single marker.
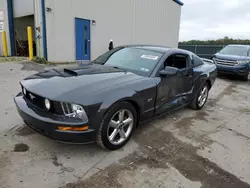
(133, 59)
(235, 50)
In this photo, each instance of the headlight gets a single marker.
(78, 111)
(243, 61)
(47, 104)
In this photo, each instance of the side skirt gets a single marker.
(166, 113)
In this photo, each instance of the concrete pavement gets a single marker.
(191, 149)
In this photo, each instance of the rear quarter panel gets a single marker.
(203, 73)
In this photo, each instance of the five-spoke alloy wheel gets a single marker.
(117, 126)
(201, 98)
(120, 126)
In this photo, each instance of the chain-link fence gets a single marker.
(204, 51)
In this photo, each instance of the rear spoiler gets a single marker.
(207, 60)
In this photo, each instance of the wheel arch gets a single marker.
(208, 81)
(133, 102)
(137, 108)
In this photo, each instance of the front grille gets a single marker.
(226, 62)
(58, 108)
(34, 99)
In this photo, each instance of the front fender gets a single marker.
(109, 101)
(121, 95)
(142, 93)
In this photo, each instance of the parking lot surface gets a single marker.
(188, 149)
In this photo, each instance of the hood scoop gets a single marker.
(70, 72)
(90, 69)
(78, 72)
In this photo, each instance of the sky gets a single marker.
(213, 19)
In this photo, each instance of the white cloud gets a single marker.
(212, 19)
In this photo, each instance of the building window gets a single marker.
(85, 40)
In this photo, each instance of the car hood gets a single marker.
(231, 57)
(64, 84)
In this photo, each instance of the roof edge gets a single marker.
(179, 2)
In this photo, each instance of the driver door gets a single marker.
(172, 91)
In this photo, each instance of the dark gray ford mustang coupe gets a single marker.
(106, 99)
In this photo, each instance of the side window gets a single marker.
(177, 60)
(197, 61)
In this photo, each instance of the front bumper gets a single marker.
(239, 70)
(47, 124)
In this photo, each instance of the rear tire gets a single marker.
(117, 126)
(201, 97)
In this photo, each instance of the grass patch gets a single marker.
(12, 59)
(35, 60)
(40, 60)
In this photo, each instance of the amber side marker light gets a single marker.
(73, 128)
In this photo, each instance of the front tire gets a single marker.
(117, 126)
(246, 77)
(201, 98)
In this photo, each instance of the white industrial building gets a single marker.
(70, 30)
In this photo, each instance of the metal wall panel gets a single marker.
(23, 8)
(38, 25)
(124, 21)
(3, 7)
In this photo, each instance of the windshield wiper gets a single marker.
(119, 68)
(116, 67)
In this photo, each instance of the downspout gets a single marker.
(45, 55)
(11, 28)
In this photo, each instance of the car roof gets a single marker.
(157, 48)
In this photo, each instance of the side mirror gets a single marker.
(169, 71)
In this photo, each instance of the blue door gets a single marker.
(82, 29)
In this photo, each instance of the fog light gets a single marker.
(47, 104)
(73, 128)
